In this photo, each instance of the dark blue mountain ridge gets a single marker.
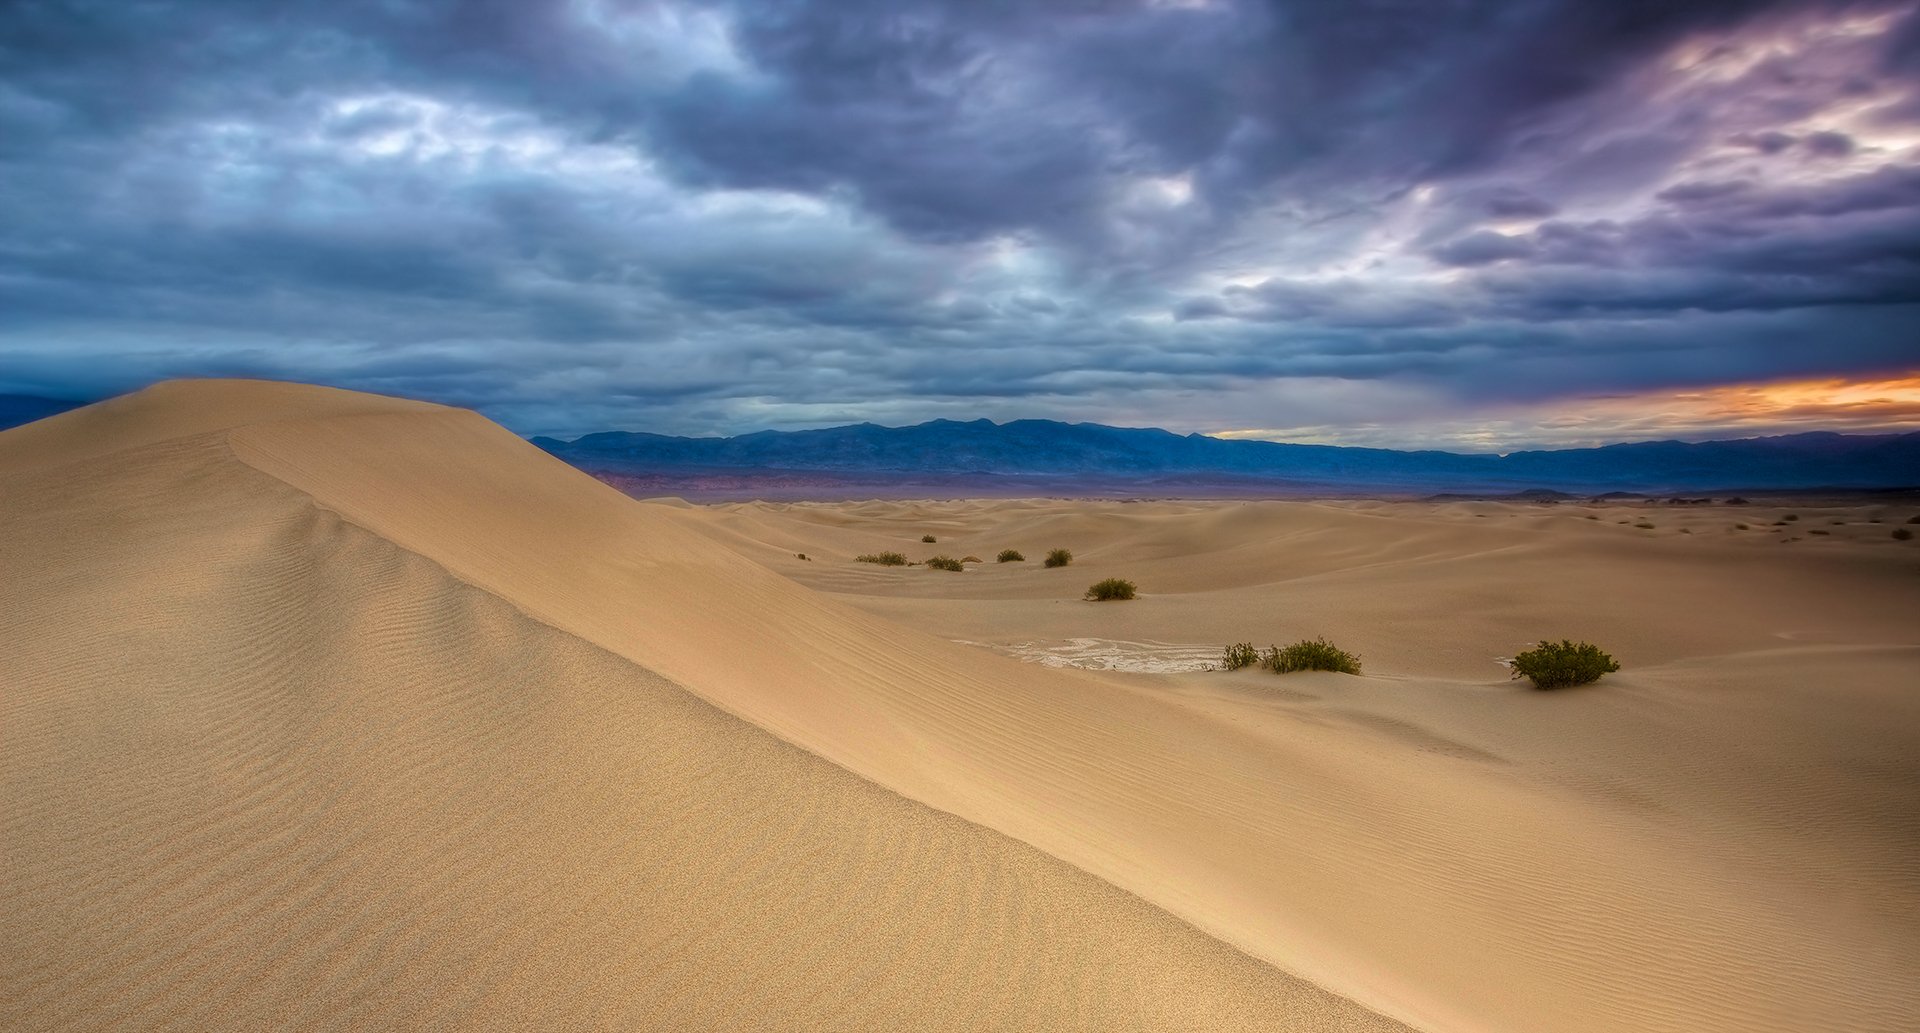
(1054, 449)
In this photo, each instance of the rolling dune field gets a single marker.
(321, 710)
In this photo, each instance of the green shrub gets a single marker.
(1111, 588)
(885, 559)
(1059, 558)
(1553, 665)
(1010, 556)
(1310, 655)
(929, 539)
(1240, 654)
(946, 563)
(1901, 534)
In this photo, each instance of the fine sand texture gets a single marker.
(325, 710)
(267, 764)
(1723, 836)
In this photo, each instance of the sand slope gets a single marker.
(262, 767)
(1724, 837)
(1720, 840)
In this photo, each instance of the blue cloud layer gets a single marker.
(714, 217)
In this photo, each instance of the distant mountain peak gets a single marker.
(1055, 449)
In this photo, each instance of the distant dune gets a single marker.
(328, 710)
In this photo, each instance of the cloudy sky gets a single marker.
(1449, 223)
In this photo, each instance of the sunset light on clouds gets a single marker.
(1877, 406)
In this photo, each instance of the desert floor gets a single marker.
(320, 710)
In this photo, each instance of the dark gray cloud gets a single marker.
(716, 216)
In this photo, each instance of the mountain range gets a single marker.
(1051, 451)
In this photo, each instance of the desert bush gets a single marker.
(1111, 588)
(1790, 517)
(1644, 526)
(1310, 655)
(1240, 654)
(1059, 558)
(1901, 534)
(929, 539)
(1553, 665)
(800, 555)
(885, 559)
(946, 563)
(1741, 527)
(1010, 556)
(1913, 520)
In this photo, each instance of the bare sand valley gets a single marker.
(326, 711)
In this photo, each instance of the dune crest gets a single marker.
(263, 768)
(1410, 852)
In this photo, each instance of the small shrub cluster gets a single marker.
(1913, 520)
(929, 539)
(1553, 665)
(1310, 655)
(1111, 588)
(800, 555)
(1059, 558)
(946, 563)
(1010, 556)
(1901, 534)
(885, 559)
(1239, 655)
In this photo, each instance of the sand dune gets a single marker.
(1722, 838)
(262, 767)
(331, 709)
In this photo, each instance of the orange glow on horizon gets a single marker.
(1888, 404)
(1885, 403)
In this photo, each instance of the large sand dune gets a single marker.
(331, 710)
(263, 766)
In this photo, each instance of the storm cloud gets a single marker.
(1209, 215)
